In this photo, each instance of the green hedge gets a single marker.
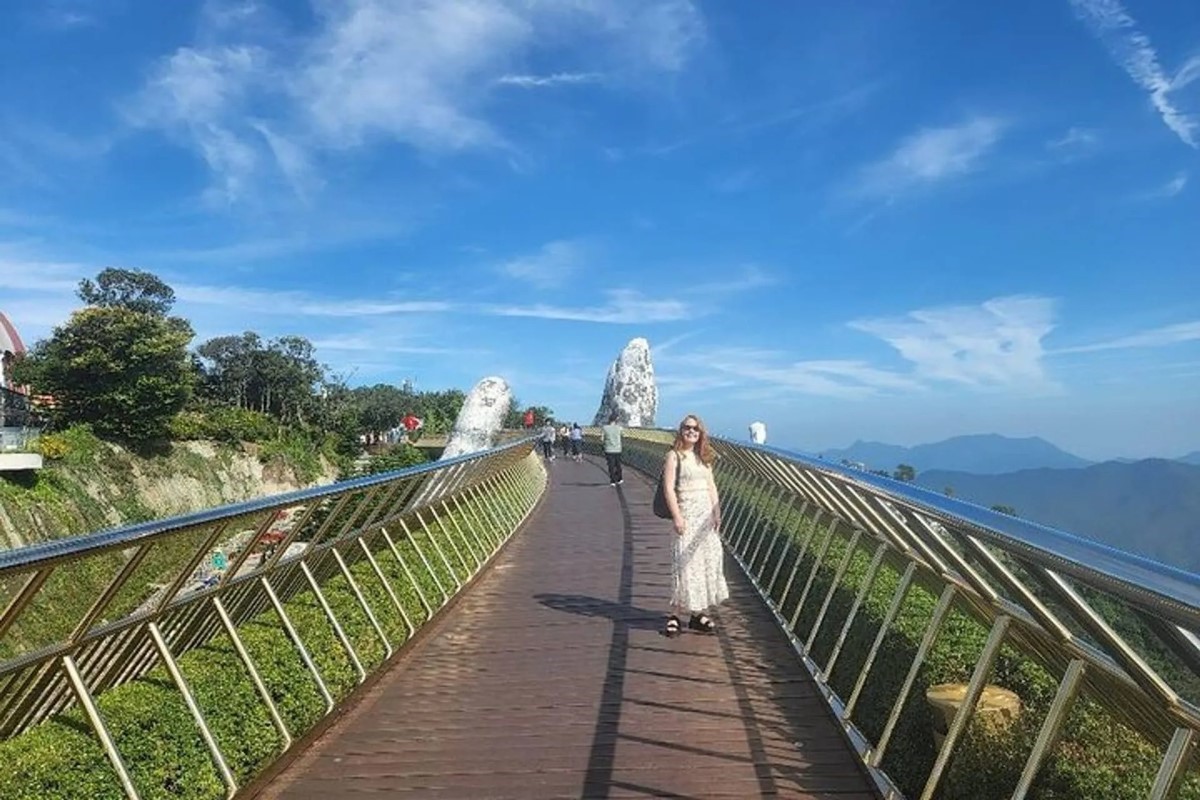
(62, 759)
(1097, 757)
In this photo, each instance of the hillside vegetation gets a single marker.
(1149, 507)
(89, 484)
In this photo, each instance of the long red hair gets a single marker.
(704, 450)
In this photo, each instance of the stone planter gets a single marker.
(997, 706)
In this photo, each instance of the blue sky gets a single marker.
(896, 221)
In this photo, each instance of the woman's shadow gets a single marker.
(630, 616)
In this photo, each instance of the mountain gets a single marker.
(1190, 458)
(983, 454)
(1150, 507)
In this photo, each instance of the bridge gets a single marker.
(488, 626)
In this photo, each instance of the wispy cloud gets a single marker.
(743, 279)
(1134, 53)
(624, 306)
(374, 344)
(930, 157)
(995, 344)
(419, 74)
(1157, 337)
(550, 267)
(545, 81)
(1174, 186)
(301, 303)
(1075, 144)
(41, 276)
(769, 371)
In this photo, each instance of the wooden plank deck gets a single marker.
(551, 679)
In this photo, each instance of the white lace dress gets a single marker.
(698, 561)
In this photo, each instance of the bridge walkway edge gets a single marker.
(550, 678)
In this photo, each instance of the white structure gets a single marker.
(630, 389)
(758, 432)
(480, 419)
(11, 346)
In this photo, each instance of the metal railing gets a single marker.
(84, 615)
(1107, 627)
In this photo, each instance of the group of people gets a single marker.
(569, 439)
(697, 559)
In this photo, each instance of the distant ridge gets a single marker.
(1190, 458)
(1150, 507)
(981, 454)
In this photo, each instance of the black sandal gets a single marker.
(672, 629)
(702, 623)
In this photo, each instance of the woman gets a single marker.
(697, 564)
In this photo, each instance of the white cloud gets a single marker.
(1074, 141)
(767, 368)
(550, 267)
(1157, 337)
(744, 279)
(300, 303)
(624, 306)
(1175, 185)
(422, 73)
(1134, 53)
(198, 97)
(41, 276)
(556, 79)
(996, 344)
(373, 344)
(929, 157)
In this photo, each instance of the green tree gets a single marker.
(227, 368)
(440, 410)
(382, 406)
(131, 289)
(904, 472)
(1003, 509)
(125, 372)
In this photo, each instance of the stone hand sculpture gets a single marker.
(480, 419)
(630, 389)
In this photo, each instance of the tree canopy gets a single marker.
(122, 365)
(124, 372)
(132, 289)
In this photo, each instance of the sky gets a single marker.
(889, 221)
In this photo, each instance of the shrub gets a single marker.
(75, 445)
(223, 424)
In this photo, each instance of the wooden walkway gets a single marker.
(550, 679)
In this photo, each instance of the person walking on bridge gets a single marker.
(697, 560)
(611, 434)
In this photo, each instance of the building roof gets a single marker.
(10, 340)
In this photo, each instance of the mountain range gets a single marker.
(1150, 507)
(984, 454)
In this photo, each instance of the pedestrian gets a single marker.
(576, 441)
(564, 439)
(611, 433)
(528, 418)
(548, 440)
(697, 560)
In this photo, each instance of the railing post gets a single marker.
(93, 714)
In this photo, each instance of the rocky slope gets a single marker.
(111, 486)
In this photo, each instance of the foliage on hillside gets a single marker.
(1150, 507)
(121, 365)
(88, 484)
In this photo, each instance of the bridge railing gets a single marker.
(886, 589)
(339, 576)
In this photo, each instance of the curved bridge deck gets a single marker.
(550, 678)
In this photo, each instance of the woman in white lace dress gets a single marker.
(697, 564)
